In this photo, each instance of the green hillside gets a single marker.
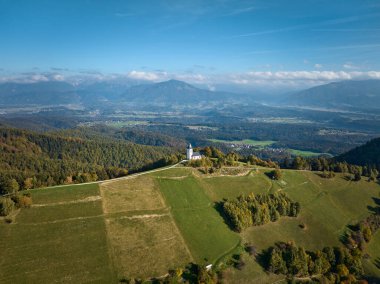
(143, 226)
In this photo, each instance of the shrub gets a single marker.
(276, 174)
(22, 201)
(328, 174)
(6, 206)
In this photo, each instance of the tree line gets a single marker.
(329, 265)
(331, 165)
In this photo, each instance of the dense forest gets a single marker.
(294, 136)
(30, 159)
(129, 134)
(367, 154)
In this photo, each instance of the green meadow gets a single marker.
(202, 227)
(146, 225)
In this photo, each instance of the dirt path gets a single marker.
(87, 199)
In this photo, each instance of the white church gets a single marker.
(190, 155)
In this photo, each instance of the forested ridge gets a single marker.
(35, 159)
(367, 154)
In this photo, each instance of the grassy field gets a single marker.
(306, 153)
(143, 226)
(256, 143)
(203, 229)
(372, 264)
(144, 240)
(328, 206)
(61, 243)
(120, 124)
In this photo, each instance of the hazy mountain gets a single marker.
(166, 94)
(41, 93)
(178, 93)
(367, 154)
(340, 95)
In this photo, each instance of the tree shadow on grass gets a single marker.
(219, 207)
(377, 262)
(263, 258)
(372, 279)
(347, 178)
(376, 200)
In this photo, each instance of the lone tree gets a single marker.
(276, 174)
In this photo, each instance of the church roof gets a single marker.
(196, 154)
(189, 146)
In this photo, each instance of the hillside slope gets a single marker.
(35, 159)
(367, 154)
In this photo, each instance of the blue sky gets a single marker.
(245, 43)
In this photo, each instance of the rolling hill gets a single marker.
(363, 94)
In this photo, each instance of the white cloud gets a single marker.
(211, 88)
(349, 65)
(318, 66)
(37, 78)
(191, 78)
(282, 80)
(297, 78)
(58, 77)
(149, 76)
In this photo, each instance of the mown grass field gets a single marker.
(144, 240)
(60, 243)
(307, 153)
(143, 226)
(203, 229)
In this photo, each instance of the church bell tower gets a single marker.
(189, 152)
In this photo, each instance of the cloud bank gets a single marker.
(244, 80)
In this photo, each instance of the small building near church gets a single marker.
(190, 155)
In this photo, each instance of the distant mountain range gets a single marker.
(340, 95)
(170, 93)
(41, 93)
(174, 94)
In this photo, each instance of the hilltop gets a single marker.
(143, 226)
